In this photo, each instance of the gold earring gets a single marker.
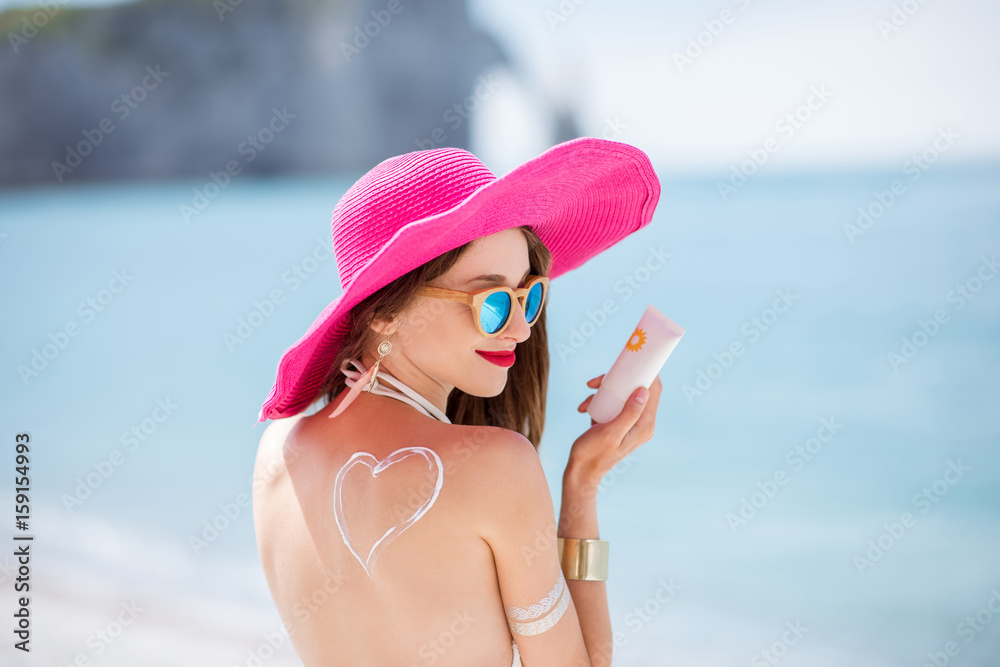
(383, 349)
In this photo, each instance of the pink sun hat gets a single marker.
(580, 197)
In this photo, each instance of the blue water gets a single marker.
(162, 336)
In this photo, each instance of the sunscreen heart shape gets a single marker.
(376, 466)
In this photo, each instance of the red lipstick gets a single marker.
(505, 359)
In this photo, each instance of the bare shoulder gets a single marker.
(491, 452)
(502, 475)
(272, 452)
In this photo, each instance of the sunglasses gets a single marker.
(491, 307)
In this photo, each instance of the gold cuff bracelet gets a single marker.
(583, 559)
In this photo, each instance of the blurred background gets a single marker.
(823, 485)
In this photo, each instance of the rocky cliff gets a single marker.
(181, 88)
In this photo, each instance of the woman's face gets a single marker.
(437, 340)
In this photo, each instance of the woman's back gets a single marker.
(400, 572)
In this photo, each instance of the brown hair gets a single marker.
(519, 407)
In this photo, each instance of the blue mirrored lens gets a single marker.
(494, 312)
(533, 303)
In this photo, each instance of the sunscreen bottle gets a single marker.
(646, 351)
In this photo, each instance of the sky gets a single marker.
(699, 84)
(887, 90)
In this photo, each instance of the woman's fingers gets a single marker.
(593, 383)
(625, 422)
(643, 428)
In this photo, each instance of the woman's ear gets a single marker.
(385, 327)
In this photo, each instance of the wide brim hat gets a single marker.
(580, 197)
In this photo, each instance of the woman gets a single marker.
(408, 521)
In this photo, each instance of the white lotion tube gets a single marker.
(644, 354)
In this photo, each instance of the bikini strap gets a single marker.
(404, 393)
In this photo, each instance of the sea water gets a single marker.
(821, 488)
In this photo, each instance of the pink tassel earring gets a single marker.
(383, 349)
(366, 380)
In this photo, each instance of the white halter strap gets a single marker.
(408, 395)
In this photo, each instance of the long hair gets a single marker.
(519, 407)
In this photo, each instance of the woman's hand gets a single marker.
(603, 446)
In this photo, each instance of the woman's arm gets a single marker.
(593, 454)
(519, 524)
(578, 518)
(556, 622)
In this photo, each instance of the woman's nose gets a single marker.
(518, 328)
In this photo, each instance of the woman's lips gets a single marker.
(505, 359)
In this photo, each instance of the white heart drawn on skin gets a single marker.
(376, 466)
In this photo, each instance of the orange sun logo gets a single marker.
(637, 340)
